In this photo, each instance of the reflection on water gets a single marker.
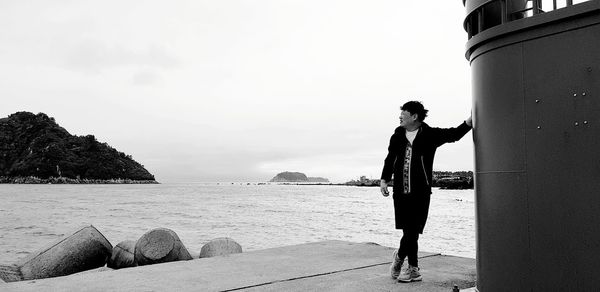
(256, 216)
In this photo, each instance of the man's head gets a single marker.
(412, 115)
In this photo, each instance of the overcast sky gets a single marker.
(228, 90)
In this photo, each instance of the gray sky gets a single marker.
(239, 90)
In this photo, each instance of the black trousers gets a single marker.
(409, 246)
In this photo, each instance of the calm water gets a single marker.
(256, 216)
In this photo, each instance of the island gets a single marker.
(298, 177)
(35, 149)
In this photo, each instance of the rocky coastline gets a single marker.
(67, 180)
(448, 180)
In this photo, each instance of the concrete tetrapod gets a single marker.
(10, 273)
(220, 246)
(160, 245)
(123, 255)
(84, 249)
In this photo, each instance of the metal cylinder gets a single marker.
(537, 158)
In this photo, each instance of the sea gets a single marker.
(256, 215)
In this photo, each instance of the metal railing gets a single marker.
(496, 12)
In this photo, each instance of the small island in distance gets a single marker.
(34, 149)
(298, 177)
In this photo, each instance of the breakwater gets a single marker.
(317, 266)
(86, 248)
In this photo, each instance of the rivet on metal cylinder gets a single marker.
(576, 124)
(537, 101)
(574, 94)
(585, 122)
(583, 94)
(539, 127)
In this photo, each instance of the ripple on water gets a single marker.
(25, 227)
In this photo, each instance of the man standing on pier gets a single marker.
(410, 159)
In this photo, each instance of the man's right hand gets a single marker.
(384, 188)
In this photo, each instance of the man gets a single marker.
(410, 159)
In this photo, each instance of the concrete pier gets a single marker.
(319, 266)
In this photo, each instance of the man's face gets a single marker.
(407, 119)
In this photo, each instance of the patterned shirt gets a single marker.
(406, 170)
(410, 136)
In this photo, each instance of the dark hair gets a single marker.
(415, 107)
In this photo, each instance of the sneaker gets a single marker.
(396, 265)
(410, 274)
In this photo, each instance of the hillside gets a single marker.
(35, 145)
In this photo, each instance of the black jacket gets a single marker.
(426, 142)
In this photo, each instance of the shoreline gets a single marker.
(67, 180)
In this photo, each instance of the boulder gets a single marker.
(160, 245)
(123, 255)
(82, 250)
(220, 246)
